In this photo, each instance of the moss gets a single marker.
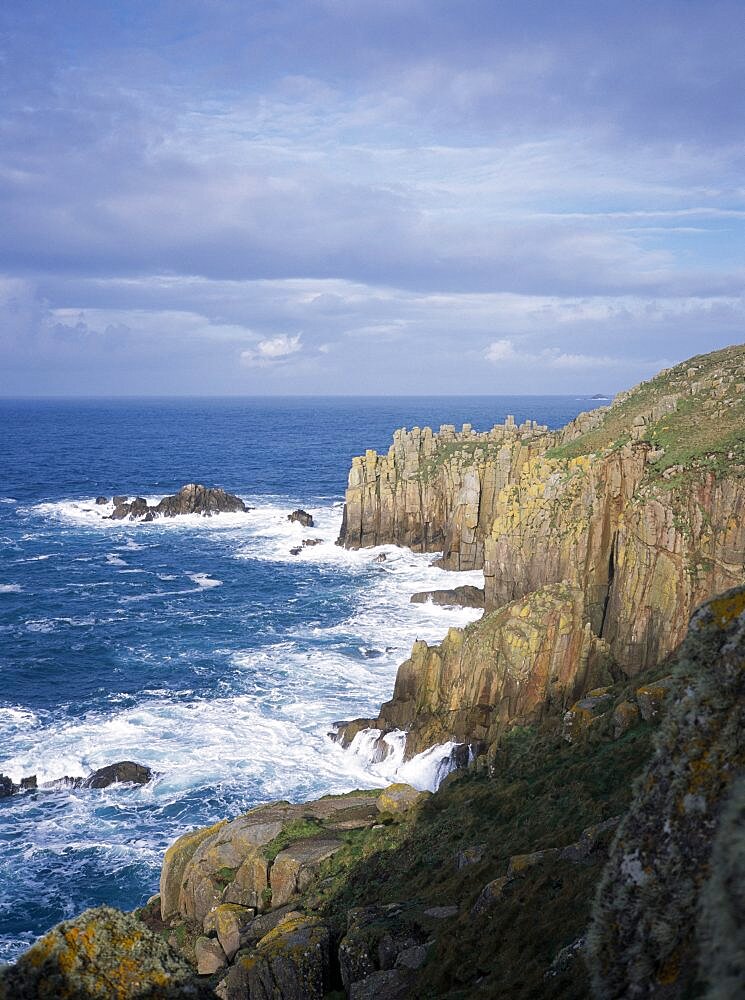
(224, 876)
(296, 829)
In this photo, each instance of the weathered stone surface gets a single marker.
(400, 798)
(642, 940)
(592, 841)
(625, 716)
(226, 863)
(176, 859)
(291, 963)
(295, 867)
(583, 713)
(210, 956)
(470, 856)
(391, 985)
(491, 894)
(519, 864)
(122, 771)
(228, 921)
(190, 499)
(436, 491)
(101, 954)
(197, 499)
(651, 698)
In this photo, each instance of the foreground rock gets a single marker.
(669, 916)
(190, 499)
(100, 955)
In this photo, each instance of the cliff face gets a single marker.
(437, 491)
(637, 510)
(535, 655)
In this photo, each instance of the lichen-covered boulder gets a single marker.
(292, 962)
(643, 939)
(102, 954)
(228, 921)
(625, 716)
(295, 867)
(651, 698)
(400, 798)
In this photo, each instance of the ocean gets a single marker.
(198, 646)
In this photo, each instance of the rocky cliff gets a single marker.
(637, 510)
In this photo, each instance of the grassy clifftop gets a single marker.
(693, 413)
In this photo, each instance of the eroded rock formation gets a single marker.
(193, 498)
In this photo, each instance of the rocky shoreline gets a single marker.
(588, 844)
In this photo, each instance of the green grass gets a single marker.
(697, 435)
(540, 792)
(297, 829)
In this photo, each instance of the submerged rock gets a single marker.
(100, 955)
(123, 771)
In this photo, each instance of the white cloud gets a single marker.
(273, 351)
(501, 350)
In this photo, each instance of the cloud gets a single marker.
(271, 352)
(504, 351)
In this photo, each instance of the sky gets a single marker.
(367, 196)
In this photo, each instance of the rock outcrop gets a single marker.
(126, 771)
(193, 498)
(515, 664)
(436, 491)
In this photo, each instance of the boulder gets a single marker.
(292, 962)
(210, 956)
(296, 867)
(101, 501)
(580, 717)
(519, 864)
(6, 786)
(302, 517)
(651, 698)
(592, 842)
(375, 938)
(391, 984)
(119, 500)
(625, 716)
(470, 856)
(400, 798)
(491, 894)
(228, 921)
(123, 771)
(101, 954)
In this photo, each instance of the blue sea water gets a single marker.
(199, 646)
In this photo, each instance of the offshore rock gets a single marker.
(190, 499)
(645, 939)
(302, 517)
(101, 954)
(465, 597)
(514, 664)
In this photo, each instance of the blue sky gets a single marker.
(367, 196)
